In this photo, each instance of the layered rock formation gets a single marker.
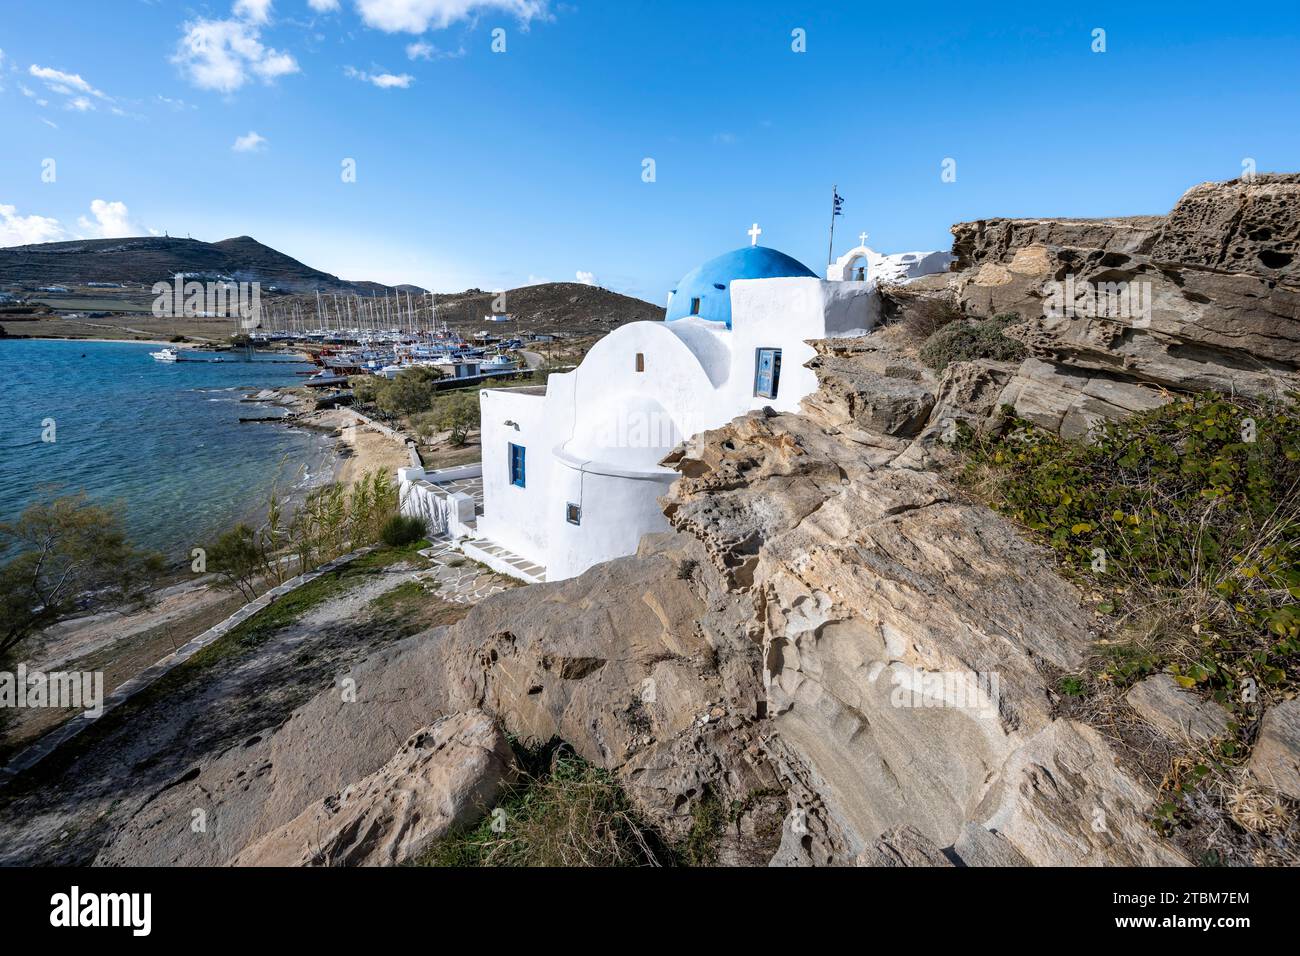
(907, 641)
(1207, 297)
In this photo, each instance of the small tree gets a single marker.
(411, 391)
(237, 556)
(63, 554)
(365, 388)
(458, 413)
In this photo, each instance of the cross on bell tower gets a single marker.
(862, 238)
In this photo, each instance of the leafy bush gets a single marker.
(365, 388)
(238, 557)
(454, 412)
(401, 530)
(978, 339)
(330, 522)
(921, 313)
(410, 391)
(424, 425)
(1186, 518)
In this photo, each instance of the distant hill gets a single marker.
(567, 307)
(151, 259)
(549, 307)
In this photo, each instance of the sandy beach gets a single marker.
(360, 448)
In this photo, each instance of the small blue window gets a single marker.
(517, 464)
(767, 373)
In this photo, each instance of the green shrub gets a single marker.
(564, 812)
(1186, 519)
(978, 339)
(409, 392)
(425, 425)
(365, 388)
(402, 530)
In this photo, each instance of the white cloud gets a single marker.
(178, 105)
(65, 83)
(323, 6)
(250, 142)
(220, 54)
(112, 221)
(416, 16)
(109, 220)
(254, 11)
(587, 278)
(427, 51)
(28, 92)
(385, 81)
(80, 94)
(16, 230)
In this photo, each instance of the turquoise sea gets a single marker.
(162, 439)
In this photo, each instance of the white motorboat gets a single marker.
(164, 355)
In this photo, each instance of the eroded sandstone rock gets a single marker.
(328, 743)
(1213, 289)
(445, 776)
(1239, 226)
(904, 632)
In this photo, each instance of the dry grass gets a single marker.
(569, 814)
(919, 314)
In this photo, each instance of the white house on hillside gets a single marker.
(570, 472)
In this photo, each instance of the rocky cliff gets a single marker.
(833, 641)
(1113, 310)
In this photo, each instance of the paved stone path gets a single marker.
(458, 578)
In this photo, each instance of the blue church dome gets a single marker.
(706, 290)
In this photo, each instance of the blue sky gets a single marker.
(479, 168)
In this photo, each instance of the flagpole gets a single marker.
(830, 249)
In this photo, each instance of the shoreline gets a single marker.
(124, 640)
(99, 341)
(304, 360)
(358, 447)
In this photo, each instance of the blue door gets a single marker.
(517, 465)
(767, 373)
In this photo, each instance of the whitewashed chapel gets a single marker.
(570, 473)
